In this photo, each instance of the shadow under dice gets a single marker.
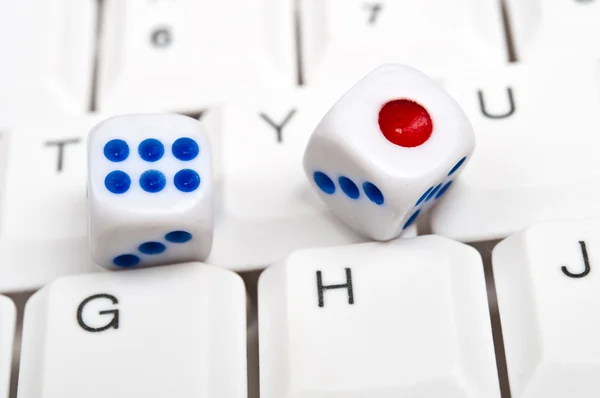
(388, 150)
(150, 193)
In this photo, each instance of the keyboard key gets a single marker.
(8, 317)
(400, 319)
(157, 332)
(536, 152)
(178, 55)
(343, 40)
(548, 290)
(555, 29)
(45, 183)
(265, 205)
(47, 53)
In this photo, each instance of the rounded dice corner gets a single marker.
(352, 127)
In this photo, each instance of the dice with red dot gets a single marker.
(388, 150)
(150, 191)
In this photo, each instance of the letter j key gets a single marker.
(548, 286)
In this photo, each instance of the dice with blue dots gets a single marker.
(388, 150)
(150, 191)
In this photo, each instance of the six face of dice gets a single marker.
(388, 150)
(150, 191)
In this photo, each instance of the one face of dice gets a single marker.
(150, 191)
(388, 150)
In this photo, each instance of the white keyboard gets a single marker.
(334, 315)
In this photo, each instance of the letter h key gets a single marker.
(407, 318)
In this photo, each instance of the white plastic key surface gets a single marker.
(47, 53)
(8, 318)
(549, 30)
(45, 182)
(536, 157)
(265, 208)
(43, 223)
(402, 319)
(548, 289)
(344, 40)
(178, 55)
(167, 331)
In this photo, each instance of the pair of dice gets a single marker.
(384, 154)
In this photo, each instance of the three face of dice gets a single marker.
(388, 150)
(150, 191)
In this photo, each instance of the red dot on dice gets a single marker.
(405, 123)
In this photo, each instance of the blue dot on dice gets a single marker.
(434, 191)
(424, 196)
(443, 190)
(186, 180)
(349, 187)
(126, 260)
(373, 193)
(185, 149)
(151, 150)
(152, 248)
(116, 150)
(152, 181)
(412, 219)
(457, 166)
(117, 182)
(324, 183)
(178, 237)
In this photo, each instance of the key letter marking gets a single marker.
(347, 285)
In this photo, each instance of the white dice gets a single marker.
(402, 319)
(388, 150)
(177, 331)
(150, 191)
(548, 287)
